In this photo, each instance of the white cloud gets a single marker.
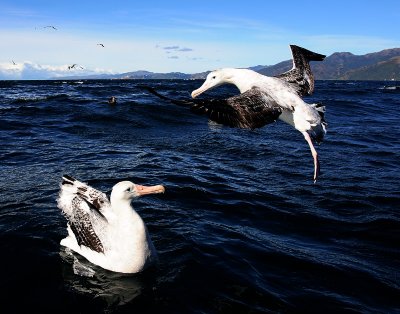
(175, 48)
(185, 49)
(171, 47)
(28, 70)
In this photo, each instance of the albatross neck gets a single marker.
(243, 79)
(122, 208)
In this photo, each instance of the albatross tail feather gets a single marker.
(318, 132)
(321, 111)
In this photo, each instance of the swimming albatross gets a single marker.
(265, 99)
(109, 234)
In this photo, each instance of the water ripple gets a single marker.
(241, 227)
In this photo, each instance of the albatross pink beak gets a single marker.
(206, 85)
(144, 190)
(197, 92)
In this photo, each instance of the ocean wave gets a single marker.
(33, 99)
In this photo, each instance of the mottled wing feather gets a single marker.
(300, 77)
(96, 199)
(84, 211)
(295, 78)
(252, 109)
(82, 226)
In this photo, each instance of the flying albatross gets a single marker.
(108, 233)
(265, 99)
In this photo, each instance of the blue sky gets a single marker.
(186, 36)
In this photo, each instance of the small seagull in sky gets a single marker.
(74, 66)
(50, 26)
(13, 62)
(100, 45)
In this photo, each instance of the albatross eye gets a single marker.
(128, 190)
(214, 77)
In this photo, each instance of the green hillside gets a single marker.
(385, 70)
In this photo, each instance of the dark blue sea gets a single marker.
(242, 228)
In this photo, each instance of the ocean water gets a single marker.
(241, 227)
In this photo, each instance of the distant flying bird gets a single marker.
(265, 99)
(100, 45)
(74, 66)
(50, 26)
(13, 62)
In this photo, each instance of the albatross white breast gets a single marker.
(108, 233)
(265, 99)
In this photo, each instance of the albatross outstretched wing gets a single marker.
(300, 76)
(251, 109)
(83, 207)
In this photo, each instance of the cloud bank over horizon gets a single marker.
(28, 70)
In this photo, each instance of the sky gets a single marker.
(183, 36)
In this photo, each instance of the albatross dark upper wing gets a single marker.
(83, 207)
(252, 109)
(301, 76)
(83, 226)
(96, 200)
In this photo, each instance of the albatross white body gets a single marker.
(111, 235)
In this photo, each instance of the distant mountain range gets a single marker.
(383, 65)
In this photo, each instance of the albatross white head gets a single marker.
(243, 79)
(214, 79)
(123, 192)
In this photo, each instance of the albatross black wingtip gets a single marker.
(153, 91)
(66, 179)
(174, 101)
(307, 54)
